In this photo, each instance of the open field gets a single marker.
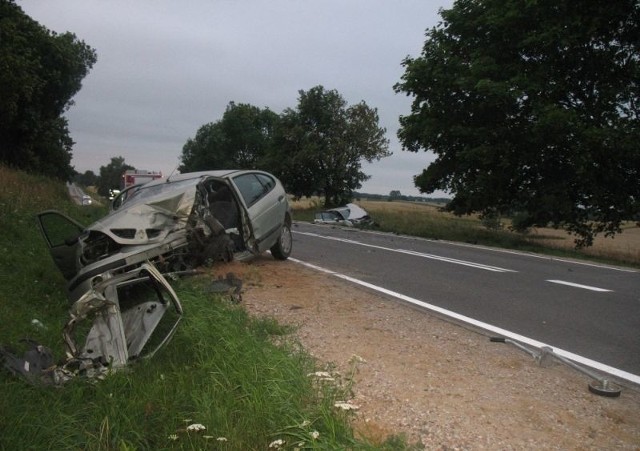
(624, 246)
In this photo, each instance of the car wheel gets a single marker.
(282, 249)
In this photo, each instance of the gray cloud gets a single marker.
(165, 68)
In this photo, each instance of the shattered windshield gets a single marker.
(146, 192)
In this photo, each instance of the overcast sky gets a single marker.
(165, 68)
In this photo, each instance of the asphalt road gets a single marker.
(587, 309)
(75, 192)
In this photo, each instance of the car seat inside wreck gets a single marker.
(216, 231)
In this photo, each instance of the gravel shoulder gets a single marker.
(435, 382)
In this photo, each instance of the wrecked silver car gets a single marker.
(116, 267)
(349, 215)
(177, 223)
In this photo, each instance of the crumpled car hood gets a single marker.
(143, 223)
(348, 215)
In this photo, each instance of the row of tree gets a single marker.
(316, 148)
(531, 108)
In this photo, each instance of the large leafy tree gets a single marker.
(111, 175)
(531, 107)
(89, 178)
(320, 145)
(40, 71)
(240, 140)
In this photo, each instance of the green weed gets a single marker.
(226, 381)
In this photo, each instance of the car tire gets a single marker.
(282, 249)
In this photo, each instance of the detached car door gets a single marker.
(61, 234)
(265, 204)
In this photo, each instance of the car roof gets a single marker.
(193, 175)
(222, 173)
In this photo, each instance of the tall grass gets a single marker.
(429, 221)
(32, 288)
(221, 370)
(246, 380)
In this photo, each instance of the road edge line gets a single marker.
(630, 377)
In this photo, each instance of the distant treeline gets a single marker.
(430, 200)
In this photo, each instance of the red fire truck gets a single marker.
(137, 176)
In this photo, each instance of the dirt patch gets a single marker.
(433, 381)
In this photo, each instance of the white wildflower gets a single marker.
(315, 435)
(356, 358)
(276, 444)
(173, 437)
(196, 427)
(346, 406)
(320, 374)
(222, 439)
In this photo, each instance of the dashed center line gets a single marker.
(414, 253)
(577, 285)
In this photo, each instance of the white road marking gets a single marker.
(410, 252)
(488, 327)
(494, 249)
(577, 285)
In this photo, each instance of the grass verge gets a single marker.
(246, 380)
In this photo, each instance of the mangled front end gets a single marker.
(123, 308)
(180, 229)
